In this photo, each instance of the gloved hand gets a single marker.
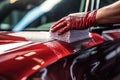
(72, 22)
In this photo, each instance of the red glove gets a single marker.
(75, 23)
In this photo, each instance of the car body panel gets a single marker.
(25, 56)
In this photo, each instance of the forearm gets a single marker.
(109, 14)
(106, 15)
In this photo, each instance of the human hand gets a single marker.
(74, 22)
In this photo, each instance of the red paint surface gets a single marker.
(48, 53)
(18, 69)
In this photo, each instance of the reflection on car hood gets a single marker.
(100, 62)
(33, 36)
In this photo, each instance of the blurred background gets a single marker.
(18, 15)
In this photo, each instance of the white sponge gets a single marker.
(71, 36)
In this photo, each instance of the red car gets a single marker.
(33, 55)
(22, 54)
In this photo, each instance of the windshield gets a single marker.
(39, 15)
